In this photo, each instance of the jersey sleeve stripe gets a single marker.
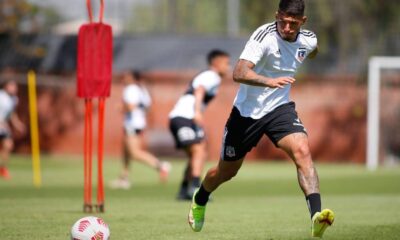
(308, 33)
(261, 35)
(266, 33)
(258, 34)
(272, 26)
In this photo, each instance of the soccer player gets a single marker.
(186, 119)
(136, 101)
(8, 103)
(265, 71)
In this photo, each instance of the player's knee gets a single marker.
(137, 153)
(228, 175)
(8, 145)
(197, 149)
(302, 152)
(212, 172)
(197, 154)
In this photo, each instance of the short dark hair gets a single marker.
(292, 7)
(214, 54)
(137, 75)
(6, 82)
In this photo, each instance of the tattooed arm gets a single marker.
(244, 73)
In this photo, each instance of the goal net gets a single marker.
(383, 133)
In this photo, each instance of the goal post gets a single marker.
(376, 64)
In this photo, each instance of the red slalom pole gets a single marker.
(90, 153)
(100, 184)
(85, 161)
(87, 207)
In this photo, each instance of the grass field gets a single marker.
(263, 202)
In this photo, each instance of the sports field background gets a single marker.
(263, 202)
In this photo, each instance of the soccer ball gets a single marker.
(90, 228)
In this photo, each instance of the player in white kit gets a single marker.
(136, 101)
(262, 106)
(8, 116)
(186, 119)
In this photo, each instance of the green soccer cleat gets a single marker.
(321, 221)
(196, 215)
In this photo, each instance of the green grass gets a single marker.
(263, 202)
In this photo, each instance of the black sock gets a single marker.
(195, 182)
(184, 184)
(314, 203)
(202, 196)
(184, 187)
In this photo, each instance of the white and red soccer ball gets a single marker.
(90, 228)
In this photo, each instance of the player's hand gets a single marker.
(198, 118)
(280, 82)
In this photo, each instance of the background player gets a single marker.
(265, 72)
(136, 101)
(186, 119)
(8, 116)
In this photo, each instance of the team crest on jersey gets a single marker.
(301, 54)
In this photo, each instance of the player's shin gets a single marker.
(210, 183)
(184, 186)
(194, 185)
(309, 182)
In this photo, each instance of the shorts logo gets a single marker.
(186, 134)
(199, 132)
(298, 123)
(230, 151)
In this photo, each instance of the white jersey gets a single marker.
(273, 57)
(139, 96)
(210, 81)
(7, 105)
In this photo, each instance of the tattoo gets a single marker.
(241, 75)
(240, 72)
(308, 180)
(258, 82)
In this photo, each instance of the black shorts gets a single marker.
(132, 131)
(185, 131)
(244, 133)
(5, 133)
